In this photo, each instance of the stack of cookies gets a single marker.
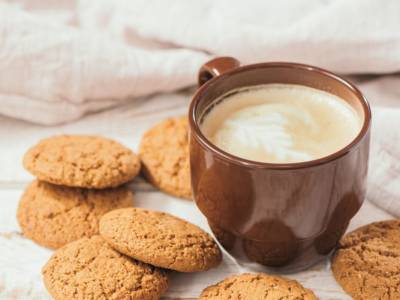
(106, 249)
(130, 257)
(79, 178)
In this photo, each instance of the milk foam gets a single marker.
(281, 123)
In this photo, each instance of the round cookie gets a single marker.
(82, 161)
(164, 151)
(89, 269)
(257, 287)
(53, 216)
(160, 239)
(367, 262)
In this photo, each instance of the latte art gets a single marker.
(264, 133)
(281, 123)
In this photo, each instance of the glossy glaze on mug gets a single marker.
(284, 216)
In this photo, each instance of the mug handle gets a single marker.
(215, 67)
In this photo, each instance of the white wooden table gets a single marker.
(21, 260)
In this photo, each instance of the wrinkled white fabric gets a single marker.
(53, 73)
(60, 60)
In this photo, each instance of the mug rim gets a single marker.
(194, 125)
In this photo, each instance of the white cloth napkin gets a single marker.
(60, 60)
(53, 72)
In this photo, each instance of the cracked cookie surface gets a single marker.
(160, 239)
(53, 216)
(89, 269)
(82, 161)
(164, 151)
(257, 286)
(367, 262)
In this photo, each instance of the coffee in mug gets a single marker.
(280, 123)
(278, 159)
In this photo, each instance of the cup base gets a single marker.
(282, 270)
(281, 257)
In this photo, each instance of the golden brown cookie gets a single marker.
(53, 216)
(82, 161)
(257, 286)
(164, 151)
(160, 239)
(367, 262)
(89, 269)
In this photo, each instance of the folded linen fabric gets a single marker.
(60, 60)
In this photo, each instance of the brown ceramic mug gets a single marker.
(284, 216)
